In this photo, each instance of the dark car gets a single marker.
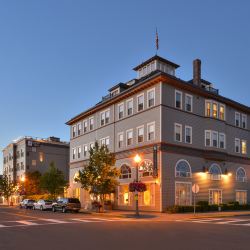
(27, 203)
(66, 204)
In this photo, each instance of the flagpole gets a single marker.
(156, 41)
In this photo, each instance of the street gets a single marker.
(27, 229)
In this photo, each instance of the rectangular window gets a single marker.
(178, 132)
(244, 147)
(237, 119)
(215, 196)
(178, 99)
(188, 103)
(41, 156)
(241, 196)
(208, 108)
(85, 150)
(105, 141)
(74, 131)
(33, 163)
(140, 102)
(215, 139)
(222, 112)
(79, 150)
(151, 131)
(129, 135)
(102, 119)
(73, 153)
(215, 110)
(91, 123)
(237, 145)
(222, 140)
(91, 145)
(207, 138)
(120, 111)
(79, 129)
(130, 107)
(140, 134)
(188, 134)
(183, 193)
(107, 116)
(120, 140)
(151, 98)
(244, 121)
(85, 126)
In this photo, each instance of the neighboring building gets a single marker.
(185, 131)
(32, 154)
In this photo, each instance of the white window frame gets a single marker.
(83, 150)
(83, 127)
(236, 175)
(150, 90)
(91, 118)
(240, 190)
(137, 103)
(78, 128)
(127, 131)
(237, 140)
(148, 125)
(217, 138)
(132, 101)
(103, 141)
(137, 134)
(118, 110)
(104, 112)
(91, 143)
(175, 125)
(79, 152)
(235, 115)
(179, 92)
(191, 134)
(210, 138)
(191, 97)
(184, 182)
(223, 134)
(245, 117)
(190, 169)
(73, 153)
(74, 128)
(217, 190)
(118, 139)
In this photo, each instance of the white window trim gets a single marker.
(79, 147)
(74, 149)
(215, 189)
(217, 136)
(237, 175)
(118, 106)
(221, 104)
(243, 115)
(74, 127)
(240, 190)
(137, 134)
(177, 91)
(90, 145)
(237, 139)
(224, 140)
(177, 124)
(137, 103)
(79, 123)
(127, 101)
(184, 182)
(84, 127)
(191, 136)
(209, 131)
(188, 165)
(118, 134)
(83, 146)
(93, 123)
(153, 89)
(148, 124)
(237, 113)
(129, 130)
(104, 112)
(104, 139)
(188, 95)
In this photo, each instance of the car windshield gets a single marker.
(73, 200)
(31, 200)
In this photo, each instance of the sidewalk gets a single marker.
(169, 217)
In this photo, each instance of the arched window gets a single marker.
(125, 172)
(215, 172)
(146, 168)
(241, 175)
(182, 169)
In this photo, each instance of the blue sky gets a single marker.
(58, 57)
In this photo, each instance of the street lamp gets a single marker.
(137, 160)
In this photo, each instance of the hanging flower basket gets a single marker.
(137, 186)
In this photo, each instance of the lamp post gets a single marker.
(137, 160)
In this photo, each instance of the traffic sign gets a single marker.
(195, 188)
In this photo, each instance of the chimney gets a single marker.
(197, 72)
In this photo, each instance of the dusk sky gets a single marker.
(57, 58)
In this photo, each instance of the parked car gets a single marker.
(27, 203)
(42, 205)
(66, 204)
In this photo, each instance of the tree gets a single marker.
(53, 181)
(99, 176)
(7, 187)
(31, 185)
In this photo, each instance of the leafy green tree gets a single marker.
(53, 181)
(7, 187)
(32, 182)
(99, 176)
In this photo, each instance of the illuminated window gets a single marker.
(33, 163)
(208, 108)
(215, 196)
(124, 195)
(125, 172)
(183, 193)
(41, 156)
(182, 169)
(146, 168)
(241, 196)
(244, 147)
(222, 112)
(241, 175)
(215, 110)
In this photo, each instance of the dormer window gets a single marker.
(115, 92)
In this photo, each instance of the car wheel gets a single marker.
(64, 210)
(41, 208)
(53, 209)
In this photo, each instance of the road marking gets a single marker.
(83, 220)
(3, 226)
(27, 223)
(55, 221)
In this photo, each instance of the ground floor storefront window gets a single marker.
(183, 193)
(76, 193)
(147, 198)
(215, 196)
(124, 196)
(241, 196)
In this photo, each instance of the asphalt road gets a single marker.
(26, 229)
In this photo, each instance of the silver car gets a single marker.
(26, 203)
(42, 205)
